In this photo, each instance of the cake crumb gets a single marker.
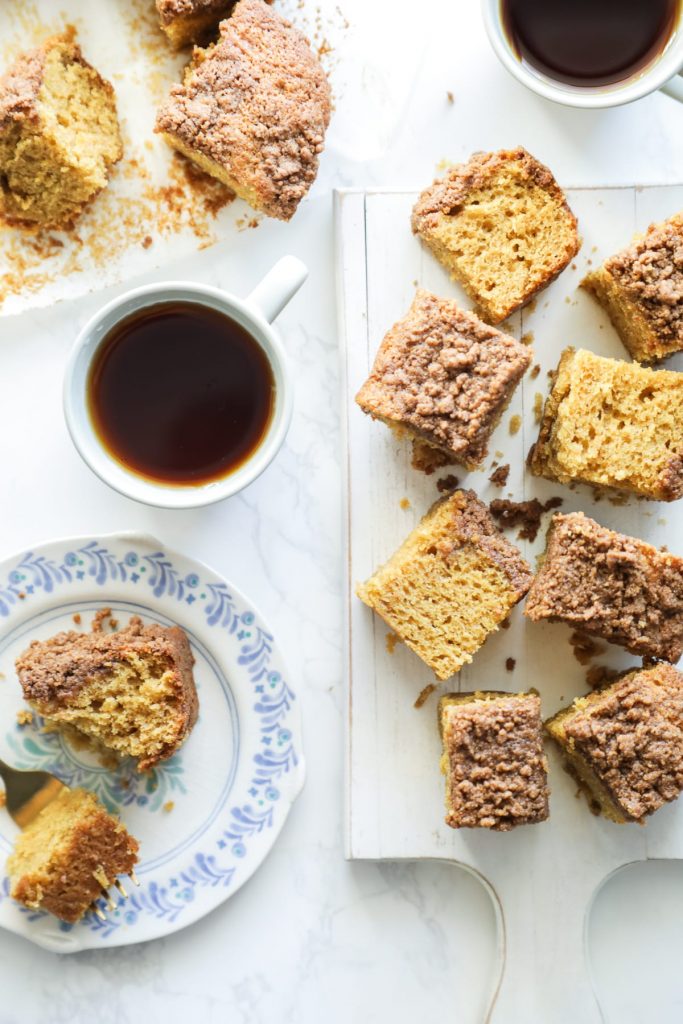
(168, 806)
(404, 503)
(424, 695)
(447, 484)
(450, 97)
(391, 640)
(510, 664)
(597, 675)
(77, 618)
(427, 458)
(538, 406)
(526, 514)
(24, 717)
(515, 423)
(499, 477)
(536, 369)
(584, 647)
(147, 241)
(527, 338)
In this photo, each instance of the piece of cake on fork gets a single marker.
(444, 377)
(69, 856)
(253, 110)
(493, 760)
(450, 585)
(624, 742)
(501, 225)
(641, 289)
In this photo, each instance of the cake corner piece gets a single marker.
(493, 760)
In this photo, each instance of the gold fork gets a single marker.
(26, 794)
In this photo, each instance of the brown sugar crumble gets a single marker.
(77, 618)
(510, 664)
(584, 647)
(535, 370)
(447, 483)
(526, 514)
(499, 477)
(527, 338)
(450, 97)
(538, 406)
(598, 675)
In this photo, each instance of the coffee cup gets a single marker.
(663, 71)
(254, 315)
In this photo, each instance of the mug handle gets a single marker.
(674, 87)
(281, 283)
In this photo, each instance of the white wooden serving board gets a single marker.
(542, 877)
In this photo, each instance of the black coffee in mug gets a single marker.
(589, 42)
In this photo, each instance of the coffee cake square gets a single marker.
(609, 585)
(613, 424)
(451, 583)
(501, 226)
(59, 134)
(493, 760)
(253, 110)
(641, 288)
(443, 376)
(625, 742)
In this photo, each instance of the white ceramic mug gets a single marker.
(663, 73)
(255, 313)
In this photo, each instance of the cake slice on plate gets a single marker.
(131, 691)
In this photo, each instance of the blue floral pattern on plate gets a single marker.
(56, 579)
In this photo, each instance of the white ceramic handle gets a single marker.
(674, 87)
(283, 281)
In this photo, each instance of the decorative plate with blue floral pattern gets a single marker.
(206, 818)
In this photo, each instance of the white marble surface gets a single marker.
(312, 938)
